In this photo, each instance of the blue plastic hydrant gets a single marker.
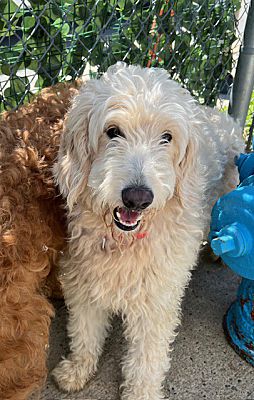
(232, 238)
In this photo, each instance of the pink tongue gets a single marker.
(128, 215)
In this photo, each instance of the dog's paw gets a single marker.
(71, 375)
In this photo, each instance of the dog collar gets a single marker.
(141, 235)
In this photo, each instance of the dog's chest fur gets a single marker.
(116, 276)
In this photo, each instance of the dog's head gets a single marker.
(129, 144)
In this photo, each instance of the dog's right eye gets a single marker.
(113, 132)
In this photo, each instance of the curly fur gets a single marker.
(106, 271)
(32, 231)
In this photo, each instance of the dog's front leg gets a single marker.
(87, 328)
(149, 331)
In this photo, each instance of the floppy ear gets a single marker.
(74, 157)
(188, 182)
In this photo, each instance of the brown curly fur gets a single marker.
(32, 231)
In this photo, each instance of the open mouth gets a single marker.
(125, 219)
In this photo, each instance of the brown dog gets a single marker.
(32, 231)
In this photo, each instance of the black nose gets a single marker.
(137, 198)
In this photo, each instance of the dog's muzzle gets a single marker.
(135, 200)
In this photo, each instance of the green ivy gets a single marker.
(56, 39)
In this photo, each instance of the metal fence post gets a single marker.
(244, 78)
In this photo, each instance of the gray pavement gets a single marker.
(203, 364)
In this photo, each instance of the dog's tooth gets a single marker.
(127, 223)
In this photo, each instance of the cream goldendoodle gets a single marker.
(140, 165)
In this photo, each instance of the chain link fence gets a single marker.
(45, 42)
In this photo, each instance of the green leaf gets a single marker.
(32, 64)
(8, 8)
(65, 29)
(28, 22)
(18, 85)
(8, 69)
(58, 23)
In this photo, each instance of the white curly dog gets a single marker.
(140, 164)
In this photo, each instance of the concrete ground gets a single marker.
(204, 366)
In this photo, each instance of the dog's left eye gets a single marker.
(166, 138)
(113, 132)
